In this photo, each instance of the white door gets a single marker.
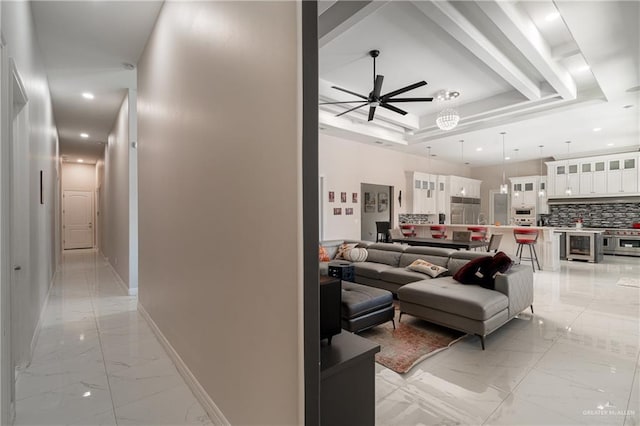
(77, 216)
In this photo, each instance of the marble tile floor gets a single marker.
(574, 362)
(96, 361)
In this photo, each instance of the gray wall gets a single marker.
(220, 201)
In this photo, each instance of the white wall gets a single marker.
(114, 239)
(41, 154)
(346, 164)
(220, 201)
(78, 177)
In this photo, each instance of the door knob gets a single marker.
(17, 268)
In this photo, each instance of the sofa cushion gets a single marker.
(402, 276)
(447, 295)
(428, 268)
(370, 269)
(359, 299)
(385, 253)
(435, 255)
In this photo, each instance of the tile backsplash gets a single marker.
(605, 215)
(417, 218)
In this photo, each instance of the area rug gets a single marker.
(412, 341)
(629, 282)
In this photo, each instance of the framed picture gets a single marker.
(383, 201)
(369, 202)
(343, 197)
(337, 211)
(348, 211)
(332, 196)
(354, 197)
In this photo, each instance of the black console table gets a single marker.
(347, 381)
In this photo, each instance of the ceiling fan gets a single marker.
(374, 99)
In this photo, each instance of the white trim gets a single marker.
(36, 333)
(129, 291)
(215, 414)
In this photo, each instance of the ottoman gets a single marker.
(364, 307)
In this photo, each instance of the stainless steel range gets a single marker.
(621, 241)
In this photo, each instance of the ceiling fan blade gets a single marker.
(372, 112)
(377, 86)
(333, 103)
(410, 100)
(352, 109)
(404, 89)
(392, 108)
(350, 92)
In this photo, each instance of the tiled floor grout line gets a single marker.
(104, 362)
(633, 380)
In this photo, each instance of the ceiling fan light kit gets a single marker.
(375, 99)
(447, 119)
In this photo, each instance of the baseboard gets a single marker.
(125, 287)
(201, 395)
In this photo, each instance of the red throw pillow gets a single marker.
(469, 273)
(323, 255)
(499, 263)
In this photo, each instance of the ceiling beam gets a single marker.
(525, 36)
(459, 27)
(342, 15)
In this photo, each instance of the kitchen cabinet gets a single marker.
(431, 194)
(543, 206)
(605, 175)
(471, 187)
(424, 193)
(442, 204)
(525, 190)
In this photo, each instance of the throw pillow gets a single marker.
(343, 248)
(470, 273)
(356, 254)
(501, 263)
(323, 255)
(428, 268)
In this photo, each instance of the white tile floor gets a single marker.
(96, 361)
(576, 361)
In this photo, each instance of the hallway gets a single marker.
(96, 361)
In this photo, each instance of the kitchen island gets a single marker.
(547, 247)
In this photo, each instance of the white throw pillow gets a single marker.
(356, 254)
(345, 247)
(428, 268)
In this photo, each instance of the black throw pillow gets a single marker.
(470, 272)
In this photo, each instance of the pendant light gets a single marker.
(516, 193)
(568, 191)
(541, 189)
(503, 188)
(463, 190)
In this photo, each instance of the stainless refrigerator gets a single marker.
(465, 211)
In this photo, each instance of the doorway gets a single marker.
(377, 206)
(77, 219)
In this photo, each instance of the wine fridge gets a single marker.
(584, 246)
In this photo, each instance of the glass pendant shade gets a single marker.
(447, 119)
(503, 188)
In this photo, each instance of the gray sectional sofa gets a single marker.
(443, 300)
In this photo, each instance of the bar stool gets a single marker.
(408, 230)
(479, 233)
(527, 237)
(382, 230)
(438, 231)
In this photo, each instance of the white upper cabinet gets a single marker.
(594, 176)
(431, 194)
(525, 190)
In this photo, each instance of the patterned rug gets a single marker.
(412, 341)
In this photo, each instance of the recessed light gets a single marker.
(597, 129)
(479, 149)
(507, 158)
(610, 144)
(88, 95)
(552, 16)
(583, 68)
(80, 160)
(627, 106)
(379, 142)
(86, 394)
(84, 135)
